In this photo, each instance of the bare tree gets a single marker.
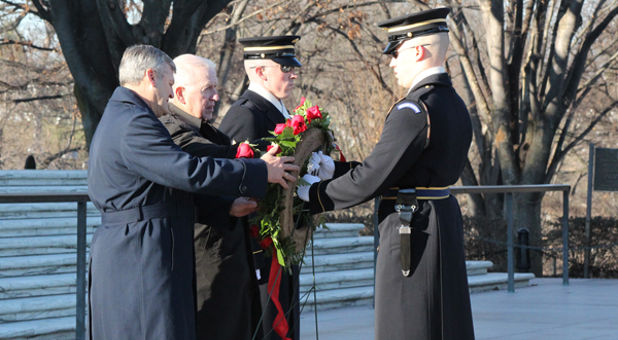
(528, 66)
(93, 34)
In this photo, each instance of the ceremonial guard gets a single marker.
(421, 284)
(141, 260)
(270, 64)
(224, 282)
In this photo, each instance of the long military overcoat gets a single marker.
(141, 264)
(251, 118)
(433, 302)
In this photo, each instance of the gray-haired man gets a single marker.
(141, 270)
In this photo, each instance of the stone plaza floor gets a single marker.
(585, 309)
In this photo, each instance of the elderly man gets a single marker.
(224, 284)
(421, 284)
(270, 64)
(141, 269)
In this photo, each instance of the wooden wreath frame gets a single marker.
(312, 139)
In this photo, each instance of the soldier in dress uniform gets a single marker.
(224, 281)
(421, 283)
(141, 260)
(270, 64)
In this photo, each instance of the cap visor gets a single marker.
(287, 61)
(390, 47)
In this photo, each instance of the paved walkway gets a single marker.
(586, 309)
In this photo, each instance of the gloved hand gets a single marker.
(313, 167)
(327, 167)
(302, 190)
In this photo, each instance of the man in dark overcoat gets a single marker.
(141, 262)
(269, 64)
(225, 284)
(421, 282)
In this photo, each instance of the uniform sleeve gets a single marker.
(343, 167)
(240, 124)
(400, 145)
(148, 150)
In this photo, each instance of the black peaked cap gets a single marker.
(278, 48)
(414, 25)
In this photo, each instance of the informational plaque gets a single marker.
(606, 169)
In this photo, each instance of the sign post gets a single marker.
(602, 176)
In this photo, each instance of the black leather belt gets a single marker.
(422, 193)
(157, 210)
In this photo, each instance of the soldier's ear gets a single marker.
(419, 52)
(260, 72)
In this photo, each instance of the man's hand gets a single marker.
(243, 206)
(303, 190)
(278, 167)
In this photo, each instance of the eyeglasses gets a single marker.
(283, 68)
(395, 52)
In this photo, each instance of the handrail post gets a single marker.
(565, 237)
(509, 241)
(81, 272)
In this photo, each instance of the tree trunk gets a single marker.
(527, 214)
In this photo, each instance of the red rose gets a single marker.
(244, 151)
(298, 124)
(254, 231)
(302, 102)
(266, 243)
(313, 113)
(279, 128)
(272, 146)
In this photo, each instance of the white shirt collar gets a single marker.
(426, 73)
(259, 89)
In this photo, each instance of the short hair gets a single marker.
(137, 59)
(186, 63)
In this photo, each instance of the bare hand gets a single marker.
(243, 206)
(278, 167)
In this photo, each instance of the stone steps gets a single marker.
(37, 307)
(35, 245)
(11, 266)
(336, 230)
(40, 329)
(335, 262)
(341, 245)
(45, 226)
(37, 285)
(43, 210)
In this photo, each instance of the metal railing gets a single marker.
(509, 190)
(80, 197)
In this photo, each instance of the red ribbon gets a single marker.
(280, 325)
(341, 156)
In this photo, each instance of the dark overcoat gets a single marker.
(224, 281)
(433, 302)
(251, 118)
(141, 262)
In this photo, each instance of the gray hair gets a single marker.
(187, 63)
(137, 59)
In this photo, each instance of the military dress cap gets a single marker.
(414, 25)
(278, 48)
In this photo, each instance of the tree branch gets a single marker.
(26, 44)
